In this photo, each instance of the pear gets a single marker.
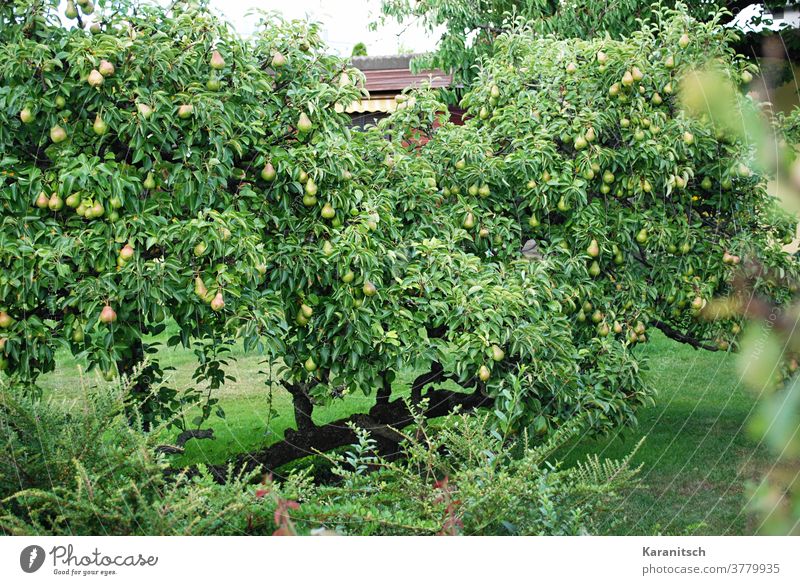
(497, 353)
(71, 11)
(580, 143)
(698, 303)
(73, 200)
(268, 172)
(55, 203)
(278, 60)
(115, 202)
(348, 277)
(594, 269)
(61, 102)
(460, 164)
(640, 328)
(26, 115)
(669, 62)
(668, 89)
(617, 328)
(603, 330)
(484, 191)
(494, 91)
(77, 333)
(627, 79)
(213, 83)
(6, 320)
(483, 232)
(747, 77)
(303, 177)
(145, 111)
(590, 135)
(594, 249)
(217, 303)
(99, 126)
(301, 320)
(306, 311)
(200, 249)
(309, 200)
(108, 315)
(641, 237)
(311, 187)
(126, 253)
(185, 111)
(327, 248)
(683, 42)
(88, 8)
(572, 68)
(688, 138)
(58, 134)
(602, 58)
(328, 212)
(200, 287)
(562, 204)
(656, 99)
(42, 200)
(469, 221)
(149, 182)
(484, 373)
(533, 221)
(613, 91)
(95, 28)
(106, 68)
(217, 62)
(369, 289)
(310, 365)
(608, 177)
(304, 123)
(98, 210)
(637, 74)
(95, 79)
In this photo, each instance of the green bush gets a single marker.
(82, 468)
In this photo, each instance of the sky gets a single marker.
(344, 23)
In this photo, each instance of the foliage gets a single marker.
(83, 468)
(460, 478)
(346, 257)
(359, 50)
(639, 211)
(89, 471)
(471, 29)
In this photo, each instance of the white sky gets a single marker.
(344, 23)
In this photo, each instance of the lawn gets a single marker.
(697, 456)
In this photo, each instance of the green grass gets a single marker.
(697, 457)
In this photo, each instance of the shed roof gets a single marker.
(389, 73)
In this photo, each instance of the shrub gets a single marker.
(82, 468)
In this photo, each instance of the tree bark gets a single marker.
(383, 421)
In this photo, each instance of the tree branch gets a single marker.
(682, 337)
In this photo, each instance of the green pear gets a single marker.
(106, 68)
(304, 123)
(278, 60)
(58, 134)
(99, 126)
(217, 303)
(594, 249)
(268, 173)
(328, 212)
(185, 111)
(95, 78)
(217, 62)
(369, 289)
(497, 353)
(26, 115)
